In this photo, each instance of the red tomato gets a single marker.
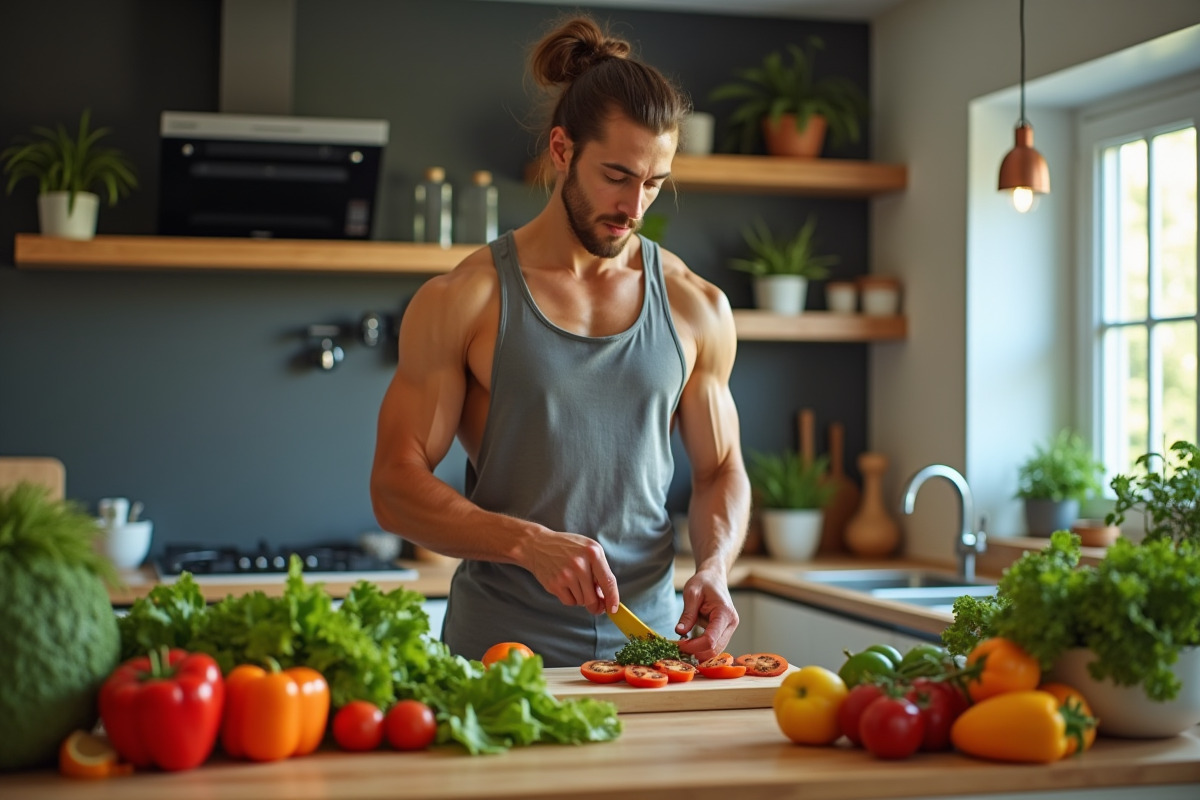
(763, 665)
(499, 652)
(601, 671)
(891, 727)
(716, 668)
(358, 725)
(851, 709)
(676, 671)
(940, 704)
(644, 677)
(410, 725)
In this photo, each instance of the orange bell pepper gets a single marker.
(1003, 666)
(1022, 726)
(271, 714)
(1074, 700)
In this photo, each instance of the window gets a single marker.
(1140, 264)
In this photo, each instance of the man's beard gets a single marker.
(579, 213)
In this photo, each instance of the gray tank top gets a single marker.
(578, 439)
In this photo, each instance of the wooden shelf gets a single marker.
(817, 326)
(815, 177)
(212, 253)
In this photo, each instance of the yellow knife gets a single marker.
(630, 625)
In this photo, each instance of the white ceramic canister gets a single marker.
(880, 295)
(841, 297)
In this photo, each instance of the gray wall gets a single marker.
(181, 389)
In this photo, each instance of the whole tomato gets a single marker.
(806, 705)
(940, 704)
(850, 711)
(410, 725)
(358, 726)
(892, 727)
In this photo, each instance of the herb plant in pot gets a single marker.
(1054, 480)
(792, 108)
(791, 497)
(67, 166)
(1124, 632)
(782, 268)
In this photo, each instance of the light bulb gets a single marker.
(1022, 199)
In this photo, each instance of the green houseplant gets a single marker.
(67, 167)
(791, 496)
(775, 93)
(1124, 631)
(782, 267)
(1055, 479)
(1170, 504)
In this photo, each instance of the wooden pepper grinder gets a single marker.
(872, 532)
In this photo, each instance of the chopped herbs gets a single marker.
(649, 649)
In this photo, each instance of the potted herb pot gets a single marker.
(791, 497)
(782, 268)
(1054, 480)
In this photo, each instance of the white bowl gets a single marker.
(126, 545)
(792, 534)
(1125, 710)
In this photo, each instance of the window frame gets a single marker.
(1130, 117)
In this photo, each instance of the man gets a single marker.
(561, 356)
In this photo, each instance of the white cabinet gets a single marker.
(804, 634)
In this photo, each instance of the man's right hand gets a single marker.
(574, 569)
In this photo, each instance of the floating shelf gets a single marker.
(817, 326)
(815, 177)
(212, 253)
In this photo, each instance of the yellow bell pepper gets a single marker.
(1023, 726)
(806, 705)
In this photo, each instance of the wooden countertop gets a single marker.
(694, 754)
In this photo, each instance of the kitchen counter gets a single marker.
(694, 754)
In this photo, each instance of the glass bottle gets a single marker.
(431, 209)
(477, 211)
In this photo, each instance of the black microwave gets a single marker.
(268, 176)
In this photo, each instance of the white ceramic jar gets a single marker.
(841, 297)
(880, 295)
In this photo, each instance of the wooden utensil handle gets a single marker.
(807, 452)
(836, 442)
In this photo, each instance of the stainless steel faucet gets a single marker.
(971, 540)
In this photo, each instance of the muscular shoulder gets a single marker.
(698, 306)
(455, 303)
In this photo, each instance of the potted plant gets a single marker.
(792, 107)
(1124, 631)
(781, 267)
(1054, 480)
(1170, 505)
(791, 496)
(67, 166)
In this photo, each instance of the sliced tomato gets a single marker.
(763, 665)
(716, 661)
(644, 677)
(676, 671)
(720, 670)
(601, 671)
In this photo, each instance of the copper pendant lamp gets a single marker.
(1023, 171)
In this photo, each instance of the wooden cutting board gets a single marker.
(48, 472)
(698, 694)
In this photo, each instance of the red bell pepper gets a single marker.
(164, 709)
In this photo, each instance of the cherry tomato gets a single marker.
(892, 727)
(644, 677)
(940, 704)
(601, 671)
(763, 665)
(410, 725)
(851, 709)
(358, 725)
(721, 667)
(499, 652)
(676, 671)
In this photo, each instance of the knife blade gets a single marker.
(629, 624)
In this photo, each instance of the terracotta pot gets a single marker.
(783, 139)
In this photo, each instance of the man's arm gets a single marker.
(720, 505)
(418, 420)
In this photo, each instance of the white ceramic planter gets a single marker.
(792, 534)
(1125, 710)
(77, 223)
(783, 294)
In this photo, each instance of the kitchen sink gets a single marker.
(925, 588)
(870, 580)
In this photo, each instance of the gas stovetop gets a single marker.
(339, 561)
